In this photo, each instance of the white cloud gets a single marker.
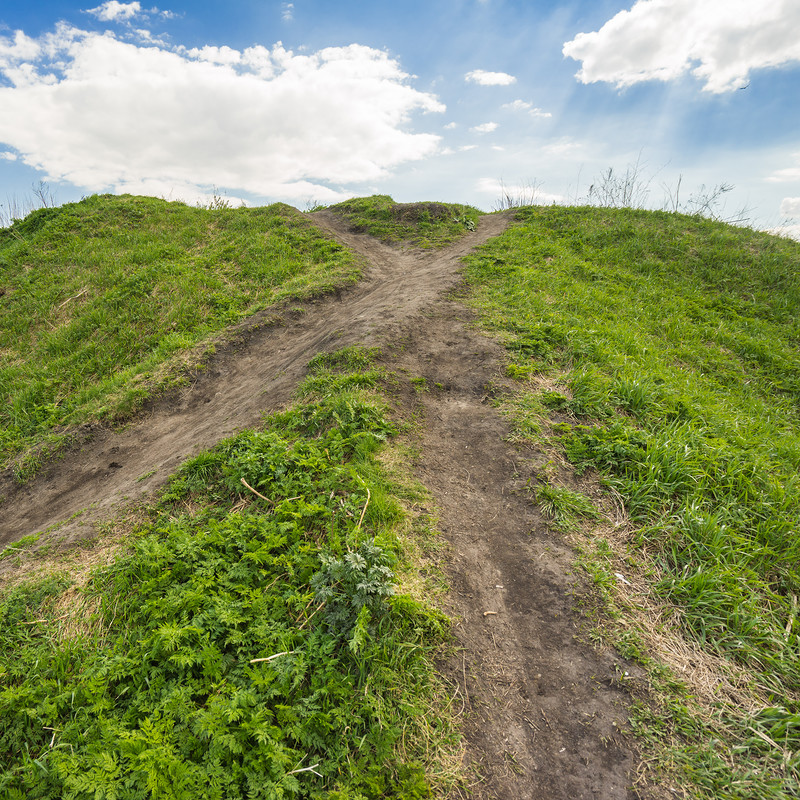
(787, 174)
(561, 147)
(719, 41)
(465, 147)
(114, 11)
(451, 126)
(8, 156)
(528, 193)
(20, 48)
(215, 55)
(522, 105)
(487, 127)
(287, 12)
(790, 207)
(490, 78)
(105, 114)
(789, 231)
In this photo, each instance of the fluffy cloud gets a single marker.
(719, 41)
(113, 11)
(786, 174)
(490, 78)
(522, 105)
(528, 193)
(790, 207)
(487, 127)
(104, 114)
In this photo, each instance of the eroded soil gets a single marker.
(543, 710)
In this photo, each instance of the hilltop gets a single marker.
(481, 505)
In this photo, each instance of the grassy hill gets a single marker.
(259, 633)
(658, 354)
(108, 300)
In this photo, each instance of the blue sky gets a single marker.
(311, 101)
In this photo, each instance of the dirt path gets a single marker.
(543, 711)
(257, 372)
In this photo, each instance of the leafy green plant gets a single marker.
(250, 644)
(353, 588)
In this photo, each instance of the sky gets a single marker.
(312, 101)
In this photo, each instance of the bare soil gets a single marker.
(544, 711)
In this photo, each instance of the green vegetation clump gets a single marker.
(675, 343)
(100, 301)
(252, 643)
(424, 225)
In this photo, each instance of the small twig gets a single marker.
(269, 658)
(767, 739)
(37, 621)
(258, 494)
(318, 608)
(305, 609)
(364, 510)
(75, 297)
(464, 671)
(544, 717)
(306, 769)
(792, 615)
(53, 738)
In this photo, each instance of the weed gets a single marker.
(565, 506)
(419, 384)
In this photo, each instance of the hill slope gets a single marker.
(647, 368)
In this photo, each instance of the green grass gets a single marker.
(674, 341)
(251, 643)
(425, 225)
(103, 300)
(564, 506)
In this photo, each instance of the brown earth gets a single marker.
(544, 711)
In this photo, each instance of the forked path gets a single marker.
(255, 373)
(543, 711)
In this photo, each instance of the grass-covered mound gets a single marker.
(424, 225)
(251, 643)
(667, 346)
(99, 300)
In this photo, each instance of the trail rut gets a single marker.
(255, 373)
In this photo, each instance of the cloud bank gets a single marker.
(720, 42)
(107, 114)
